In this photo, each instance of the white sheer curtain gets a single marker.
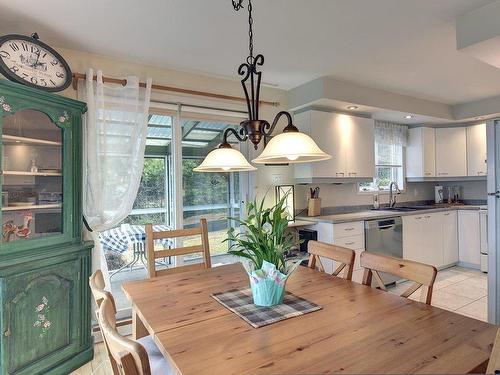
(114, 134)
(389, 133)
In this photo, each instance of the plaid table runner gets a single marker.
(118, 239)
(240, 302)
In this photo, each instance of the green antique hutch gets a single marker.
(44, 264)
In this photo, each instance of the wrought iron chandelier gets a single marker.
(290, 146)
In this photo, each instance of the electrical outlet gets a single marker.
(277, 179)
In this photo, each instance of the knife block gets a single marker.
(314, 207)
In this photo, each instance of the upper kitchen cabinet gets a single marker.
(476, 150)
(451, 154)
(348, 139)
(421, 152)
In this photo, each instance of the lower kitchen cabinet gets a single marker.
(45, 314)
(469, 241)
(431, 238)
(450, 237)
(350, 235)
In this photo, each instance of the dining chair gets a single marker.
(152, 254)
(494, 362)
(141, 357)
(339, 254)
(97, 285)
(422, 275)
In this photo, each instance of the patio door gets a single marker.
(214, 196)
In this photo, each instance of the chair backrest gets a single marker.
(129, 356)
(422, 275)
(339, 254)
(494, 363)
(97, 285)
(202, 248)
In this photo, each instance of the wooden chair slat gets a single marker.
(178, 251)
(376, 276)
(422, 274)
(176, 233)
(338, 254)
(412, 289)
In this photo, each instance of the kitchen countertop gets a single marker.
(379, 214)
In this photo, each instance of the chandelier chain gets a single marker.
(250, 31)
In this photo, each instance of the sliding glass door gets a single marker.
(213, 196)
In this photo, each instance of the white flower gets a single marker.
(45, 300)
(267, 228)
(41, 317)
(37, 324)
(40, 307)
(47, 324)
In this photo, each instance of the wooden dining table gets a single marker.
(358, 330)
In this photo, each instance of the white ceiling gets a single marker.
(403, 46)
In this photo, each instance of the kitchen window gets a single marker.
(390, 141)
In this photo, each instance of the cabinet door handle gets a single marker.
(428, 173)
(339, 173)
(447, 214)
(349, 243)
(442, 173)
(427, 216)
(349, 229)
(352, 174)
(418, 217)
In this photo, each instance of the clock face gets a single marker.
(29, 61)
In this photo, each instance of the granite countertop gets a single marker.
(380, 214)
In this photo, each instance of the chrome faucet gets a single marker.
(392, 196)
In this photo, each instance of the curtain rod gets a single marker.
(199, 106)
(77, 76)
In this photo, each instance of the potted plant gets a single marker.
(262, 241)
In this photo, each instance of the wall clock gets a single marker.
(27, 60)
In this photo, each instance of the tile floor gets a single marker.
(462, 290)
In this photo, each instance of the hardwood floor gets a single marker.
(98, 366)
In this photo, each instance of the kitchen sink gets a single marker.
(410, 208)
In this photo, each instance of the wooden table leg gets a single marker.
(138, 328)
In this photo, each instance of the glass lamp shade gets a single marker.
(291, 147)
(225, 159)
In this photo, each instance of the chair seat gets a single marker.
(158, 363)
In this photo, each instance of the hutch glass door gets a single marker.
(32, 185)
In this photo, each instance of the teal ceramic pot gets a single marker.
(267, 292)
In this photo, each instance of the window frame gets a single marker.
(386, 192)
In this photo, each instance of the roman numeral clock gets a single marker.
(27, 60)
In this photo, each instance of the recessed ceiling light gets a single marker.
(408, 116)
(352, 107)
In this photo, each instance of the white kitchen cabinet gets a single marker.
(348, 139)
(451, 154)
(421, 152)
(476, 150)
(449, 224)
(422, 238)
(350, 235)
(469, 241)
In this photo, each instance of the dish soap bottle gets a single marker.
(376, 204)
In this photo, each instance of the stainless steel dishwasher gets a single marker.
(385, 236)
